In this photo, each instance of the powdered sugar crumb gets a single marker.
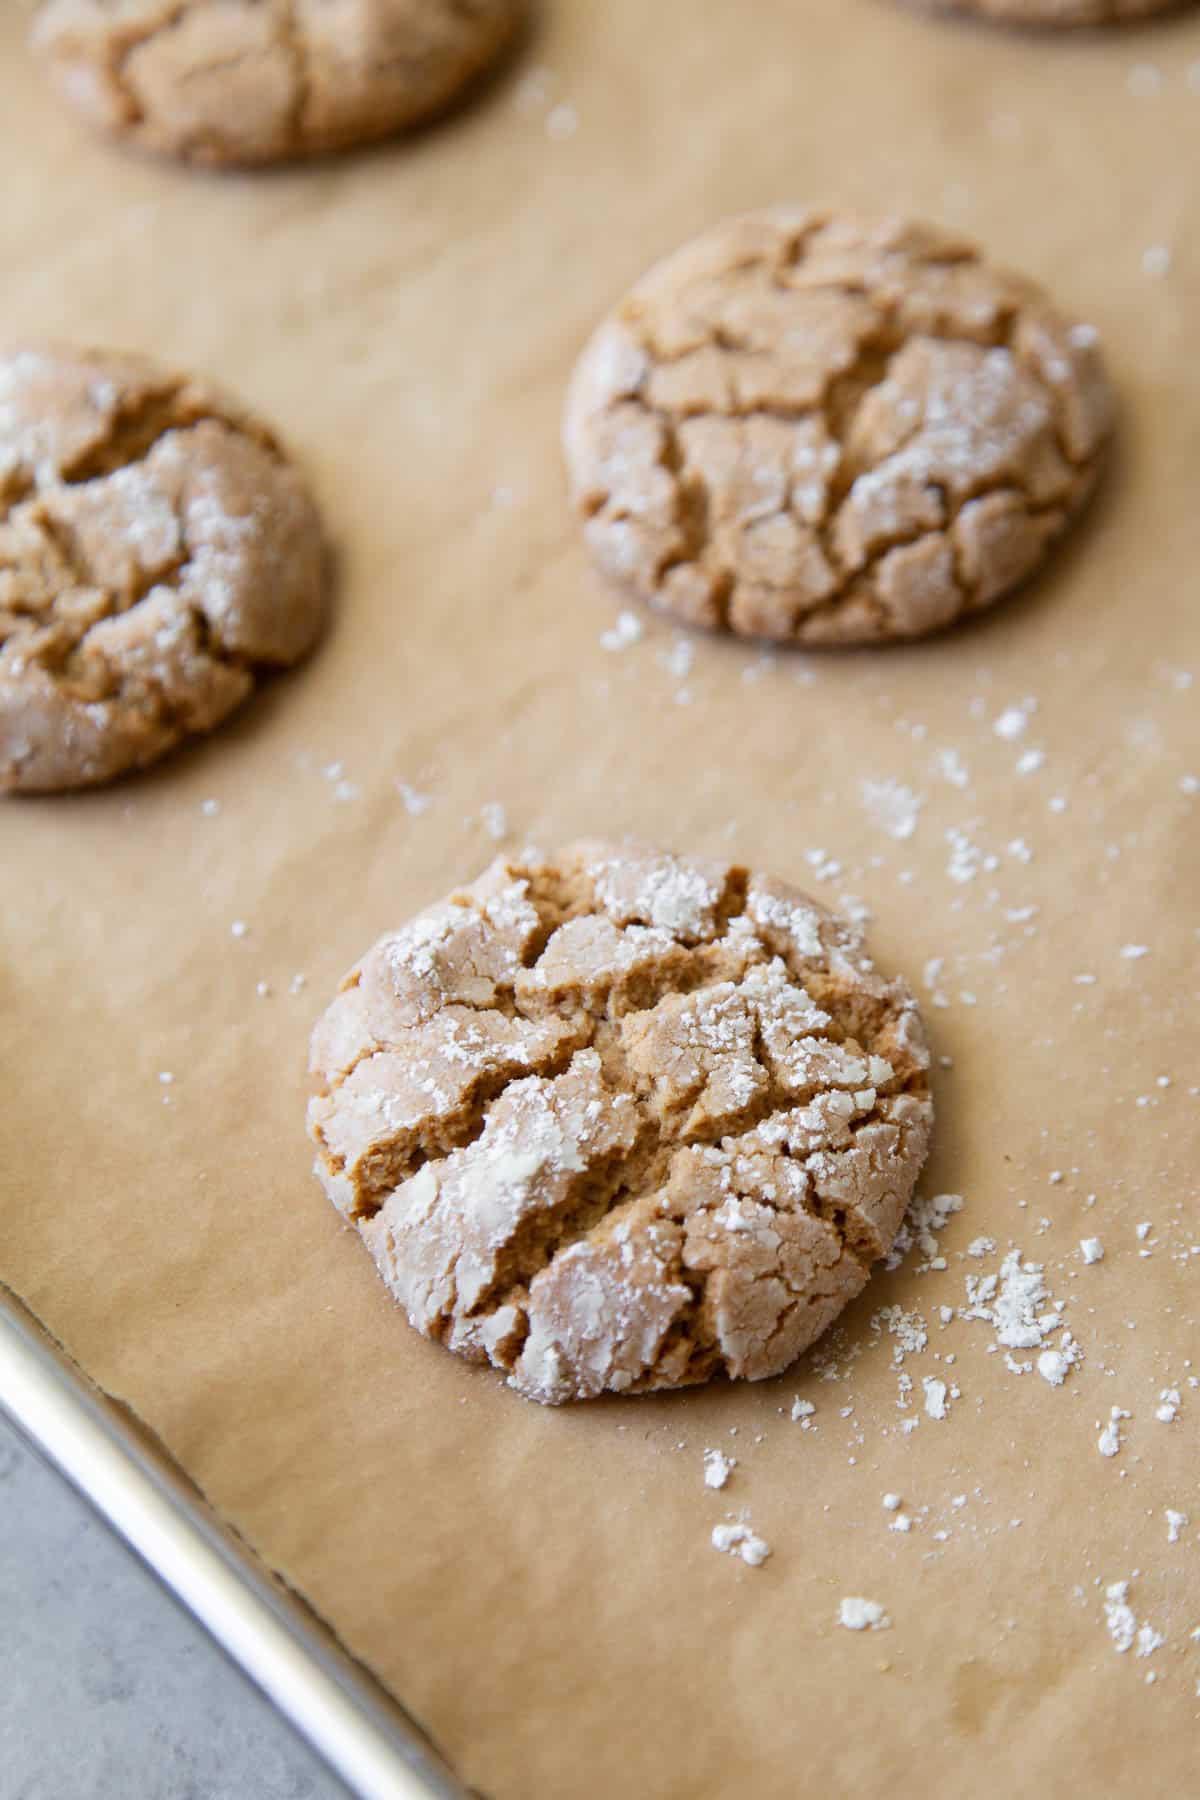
(893, 807)
(1119, 1616)
(627, 630)
(717, 1468)
(414, 803)
(1110, 1440)
(1167, 1410)
(739, 1540)
(857, 1614)
(1013, 720)
(494, 820)
(926, 1217)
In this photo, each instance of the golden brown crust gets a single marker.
(229, 82)
(617, 1120)
(814, 429)
(157, 554)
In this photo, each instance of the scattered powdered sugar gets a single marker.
(1110, 1440)
(1013, 720)
(906, 1328)
(893, 807)
(1092, 1249)
(414, 803)
(823, 866)
(1052, 1365)
(739, 1540)
(802, 1412)
(1134, 952)
(1167, 1410)
(1156, 261)
(936, 1400)
(966, 859)
(891, 1502)
(1123, 1628)
(1010, 1301)
(494, 820)
(627, 630)
(717, 1468)
(952, 768)
(857, 1614)
(855, 910)
(344, 789)
(926, 1217)
(1176, 1522)
(1119, 1616)
(239, 928)
(679, 658)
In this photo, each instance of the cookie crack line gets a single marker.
(131, 440)
(695, 506)
(832, 431)
(583, 1035)
(124, 48)
(601, 1118)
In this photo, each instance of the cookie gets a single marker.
(158, 556)
(819, 430)
(616, 1120)
(265, 81)
(1054, 12)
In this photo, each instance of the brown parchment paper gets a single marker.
(538, 1587)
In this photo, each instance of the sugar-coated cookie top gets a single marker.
(616, 1120)
(810, 427)
(157, 553)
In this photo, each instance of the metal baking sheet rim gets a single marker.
(290, 1655)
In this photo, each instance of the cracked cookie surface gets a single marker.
(617, 1120)
(812, 428)
(244, 82)
(1053, 12)
(158, 556)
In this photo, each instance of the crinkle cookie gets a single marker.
(1054, 12)
(158, 556)
(264, 81)
(816, 429)
(618, 1120)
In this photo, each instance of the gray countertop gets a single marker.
(108, 1691)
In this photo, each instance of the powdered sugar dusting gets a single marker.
(892, 806)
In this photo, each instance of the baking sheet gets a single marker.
(538, 1587)
(136, 1489)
